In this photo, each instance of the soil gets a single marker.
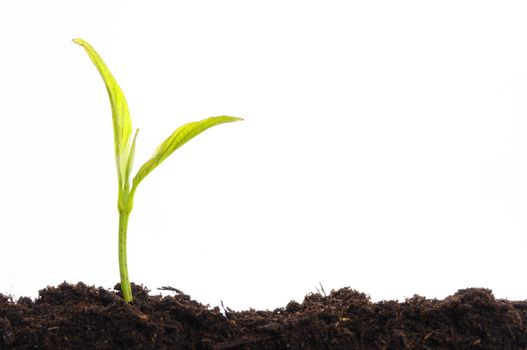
(82, 317)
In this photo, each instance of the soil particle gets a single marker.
(8, 336)
(82, 317)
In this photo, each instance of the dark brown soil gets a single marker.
(82, 317)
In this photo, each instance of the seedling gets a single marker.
(124, 154)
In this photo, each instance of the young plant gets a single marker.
(124, 154)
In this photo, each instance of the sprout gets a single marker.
(125, 149)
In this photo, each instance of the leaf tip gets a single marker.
(234, 119)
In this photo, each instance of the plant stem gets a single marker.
(123, 266)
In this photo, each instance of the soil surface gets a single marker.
(83, 317)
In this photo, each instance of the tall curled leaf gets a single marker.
(122, 123)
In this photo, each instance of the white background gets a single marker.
(384, 147)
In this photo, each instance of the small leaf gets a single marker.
(122, 123)
(128, 169)
(176, 140)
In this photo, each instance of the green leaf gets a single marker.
(122, 123)
(176, 140)
(128, 169)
